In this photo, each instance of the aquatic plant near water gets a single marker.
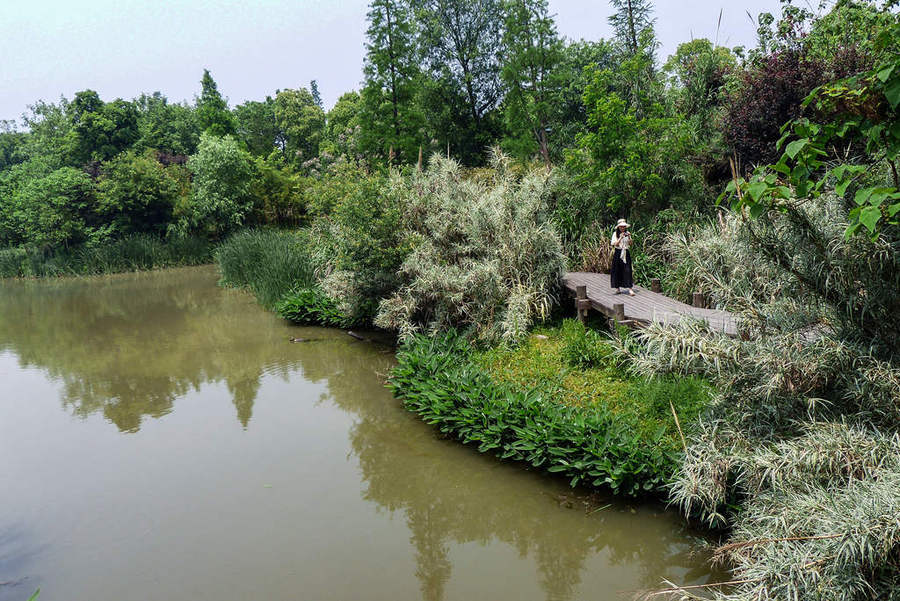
(800, 454)
(311, 306)
(135, 252)
(591, 446)
(269, 262)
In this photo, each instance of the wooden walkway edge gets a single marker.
(644, 307)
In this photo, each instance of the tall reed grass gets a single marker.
(133, 253)
(269, 263)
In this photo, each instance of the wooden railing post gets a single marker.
(655, 285)
(619, 310)
(699, 301)
(582, 304)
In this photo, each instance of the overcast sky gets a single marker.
(121, 48)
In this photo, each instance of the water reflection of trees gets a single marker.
(128, 346)
(449, 493)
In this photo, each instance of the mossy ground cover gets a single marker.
(576, 366)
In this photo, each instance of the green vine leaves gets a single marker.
(855, 113)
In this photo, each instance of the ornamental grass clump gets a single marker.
(799, 453)
(485, 257)
(270, 263)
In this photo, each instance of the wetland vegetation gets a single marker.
(443, 201)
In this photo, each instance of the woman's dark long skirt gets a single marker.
(620, 272)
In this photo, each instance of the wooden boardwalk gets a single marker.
(644, 307)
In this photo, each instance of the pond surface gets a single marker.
(162, 439)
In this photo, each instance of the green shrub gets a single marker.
(369, 244)
(13, 262)
(583, 347)
(221, 195)
(437, 379)
(311, 306)
(270, 263)
(137, 194)
(485, 256)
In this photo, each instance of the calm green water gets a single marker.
(161, 439)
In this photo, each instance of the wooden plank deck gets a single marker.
(645, 306)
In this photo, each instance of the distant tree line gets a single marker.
(627, 133)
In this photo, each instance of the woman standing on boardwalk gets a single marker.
(620, 275)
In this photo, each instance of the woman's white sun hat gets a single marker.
(622, 222)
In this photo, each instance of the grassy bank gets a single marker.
(278, 267)
(269, 263)
(134, 253)
(557, 402)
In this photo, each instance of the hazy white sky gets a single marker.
(121, 48)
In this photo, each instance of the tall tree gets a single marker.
(212, 109)
(342, 127)
(580, 60)
(390, 119)
(257, 127)
(462, 44)
(221, 195)
(534, 53)
(101, 130)
(630, 19)
(11, 145)
(314, 90)
(169, 128)
(302, 121)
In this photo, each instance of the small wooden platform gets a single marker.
(644, 307)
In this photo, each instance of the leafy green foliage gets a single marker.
(212, 110)
(701, 72)
(436, 379)
(631, 20)
(534, 52)
(302, 121)
(583, 347)
(311, 306)
(391, 119)
(137, 194)
(11, 145)
(278, 194)
(100, 130)
(258, 128)
(863, 106)
(169, 128)
(632, 156)
(341, 138)
(369, 243)
(221, 195)
(56, 210)
(461, 44)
